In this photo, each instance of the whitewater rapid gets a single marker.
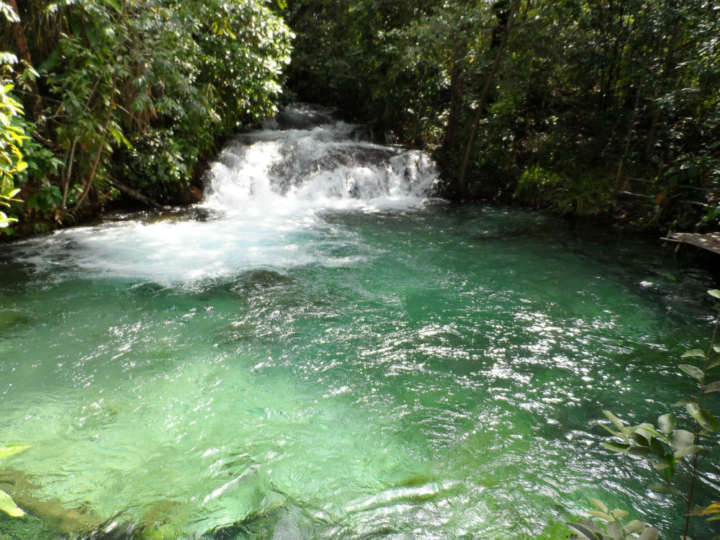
(267, 198)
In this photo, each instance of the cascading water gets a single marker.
(265, 199)
(316, 351)
(293, 171)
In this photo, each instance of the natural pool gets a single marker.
(318, 361)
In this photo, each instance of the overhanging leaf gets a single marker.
(616, 422)
(694, 371)
(693, 353)
(667, 423)
(620, 448)
(703, 417)
(688, 451)
(8, 506)
(715, 293)
(711, 387)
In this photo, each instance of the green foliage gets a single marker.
(611, 525)
(12, 134)
(669, 447)
(141, 88)
(11, 158)
(619, 99)
(585, 194)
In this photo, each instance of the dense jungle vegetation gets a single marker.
(591, 108)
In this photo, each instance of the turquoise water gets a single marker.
(441, 377)
(424, 371)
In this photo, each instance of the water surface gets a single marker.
(329, 353)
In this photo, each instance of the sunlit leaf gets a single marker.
(8, 450)
(8, 506)
(667, 423)
(715, 293)
(714, 363)
(616, 422)
(650, 533)
(597, 503)
(635, 526)
(703, 417)
(712, 387)
(620, 448)
(659, 487)
(694, 353)
(694, 371)
(619, 514)
(600, 515)
(612, 431)
(688, 451)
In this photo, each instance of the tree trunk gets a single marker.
(628, 140)
(96, 162)
(147, 201)
(24, 53)
(668, 65)
(461, 185)
(456, 98)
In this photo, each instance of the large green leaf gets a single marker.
(8, 506)
(715, 293)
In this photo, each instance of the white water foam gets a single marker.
(266, 196)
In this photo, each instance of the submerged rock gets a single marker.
(12, 320)
(52, 513)
(261, 279)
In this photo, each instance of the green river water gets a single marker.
(425, 371)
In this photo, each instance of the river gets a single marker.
(322, 349)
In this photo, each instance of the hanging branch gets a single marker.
(68, 173)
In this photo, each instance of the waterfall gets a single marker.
(286, 168)
(267, 199)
